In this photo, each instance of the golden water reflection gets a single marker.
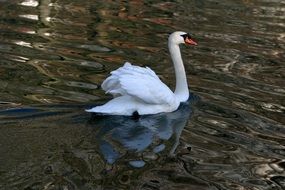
(55, 54)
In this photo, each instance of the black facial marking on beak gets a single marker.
(186, 36)
(188, 39)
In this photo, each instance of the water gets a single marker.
(55, 54)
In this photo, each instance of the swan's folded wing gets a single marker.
(147, 89)
(112, 84)
(141, 83)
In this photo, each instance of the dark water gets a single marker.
(55, 54)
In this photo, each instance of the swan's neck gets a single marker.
(181, 91)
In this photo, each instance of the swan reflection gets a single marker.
(138, 140)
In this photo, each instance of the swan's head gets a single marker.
(181, 38)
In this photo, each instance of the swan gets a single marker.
(139, 91)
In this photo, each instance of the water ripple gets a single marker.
(55, 54)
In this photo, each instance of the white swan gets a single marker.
(139, 90)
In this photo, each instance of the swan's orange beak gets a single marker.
(190, 41)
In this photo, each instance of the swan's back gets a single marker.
(138, 82)
(112, 84)
(136, 89)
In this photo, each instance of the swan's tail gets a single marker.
(116, 106)
(102, 110)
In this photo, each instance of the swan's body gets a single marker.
(138, 89)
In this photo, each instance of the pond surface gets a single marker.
(55, 54)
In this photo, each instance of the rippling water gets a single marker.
(55, 54)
